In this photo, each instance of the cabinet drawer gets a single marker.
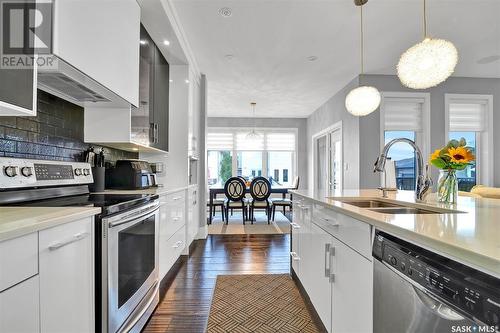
(176, 198)
(19, 308)
(352, 232)
(18, 259)
(175, 245)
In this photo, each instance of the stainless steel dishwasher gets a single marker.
(416, 290)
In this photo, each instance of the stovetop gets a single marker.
(110, 203)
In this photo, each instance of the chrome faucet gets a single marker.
(423, 182)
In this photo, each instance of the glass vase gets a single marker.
(447, 186)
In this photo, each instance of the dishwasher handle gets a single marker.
(436, 306)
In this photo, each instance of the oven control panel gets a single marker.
(22, 173)
(469, 291)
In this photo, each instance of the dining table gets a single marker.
(216, 189)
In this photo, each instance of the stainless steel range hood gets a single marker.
(67, 82)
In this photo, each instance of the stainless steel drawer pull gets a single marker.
(73, 239)
(294, 256)
(327, 260)
(332, 254)
(331, 223)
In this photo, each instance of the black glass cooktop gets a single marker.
(110, 203)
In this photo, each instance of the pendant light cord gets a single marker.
(362, 40)
(425, 20)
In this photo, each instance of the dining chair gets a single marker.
(244, 181)
(285, 202)
(234, 189)
(216, 202)
(260, 190)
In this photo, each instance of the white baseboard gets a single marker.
(202, 232)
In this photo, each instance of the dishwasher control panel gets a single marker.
(471, 292)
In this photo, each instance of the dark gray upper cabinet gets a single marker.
(150, 119)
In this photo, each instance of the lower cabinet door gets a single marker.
(296, 237)
(19, 308)
(67, 278)
(316, 272)
(352, 292)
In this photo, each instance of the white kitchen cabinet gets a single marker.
(66, 259)
(295, 248)
(192, 221)
(172, 221)
(18, 259)
(334, 268)
(352, 290)
(20, 307)
(101, 39)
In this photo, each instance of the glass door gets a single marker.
(321, 163)
(335, 160)
(328, 160)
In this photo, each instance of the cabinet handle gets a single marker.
(176, 198)
(176, 219)
(331, 223)
(73, 239)
(177, 244)
(327, 260)
(332, 254)
(295, 225)
(294, 256)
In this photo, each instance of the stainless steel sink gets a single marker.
(369, 203)
(403, 210)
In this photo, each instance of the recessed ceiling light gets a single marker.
(225, 12)
(171, 80)
(187, 81)
(312, 58)
(166, 42)
(142, 42)
(229, 56)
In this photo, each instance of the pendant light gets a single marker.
(428, 63)
(362, 100)
(253, 136)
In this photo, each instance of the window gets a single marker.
(404, 159)
(405, 115)
(272, 156)
(469, 117)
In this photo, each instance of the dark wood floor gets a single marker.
(186, 305)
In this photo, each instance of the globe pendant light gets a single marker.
(253, 136)
(362, 100)
(427, 63)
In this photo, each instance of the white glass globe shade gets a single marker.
(427, 63)
(362, 100)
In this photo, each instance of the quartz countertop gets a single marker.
(471, 237)
(19, 221)
(160, 190)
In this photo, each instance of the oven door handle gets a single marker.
(133, 217)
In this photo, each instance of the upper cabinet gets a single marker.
(18, 92)
(100, 39)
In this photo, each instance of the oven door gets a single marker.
(132, 263)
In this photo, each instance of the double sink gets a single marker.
(386, 207)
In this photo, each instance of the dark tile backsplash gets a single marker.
(56, 133)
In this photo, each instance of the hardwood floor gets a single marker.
(186, 304)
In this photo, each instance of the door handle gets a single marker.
(440, 309)
(327, 260)
(332, 254)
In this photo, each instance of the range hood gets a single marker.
(67, 82)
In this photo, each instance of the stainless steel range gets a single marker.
(126, 235)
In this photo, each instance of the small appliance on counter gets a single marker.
(130, 175)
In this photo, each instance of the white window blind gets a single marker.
(219, 141)
(467, 117)
(402, 114)
(280, 141)
(243, 144)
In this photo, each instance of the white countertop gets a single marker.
(161, 190)
(18, 221)
(472, 237)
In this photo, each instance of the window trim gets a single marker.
(423, 138)
(484, 175)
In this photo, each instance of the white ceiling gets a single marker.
(271, 39)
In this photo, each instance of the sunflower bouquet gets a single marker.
(452, 157)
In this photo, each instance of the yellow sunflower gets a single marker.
(460, 155)
(435, 154)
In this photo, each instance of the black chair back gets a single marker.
(234, 189)
(260, 189)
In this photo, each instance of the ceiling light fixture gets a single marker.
(142, 42)
(253, 136)
(187, 81)
(229, 57)
(225, 12)
(362, 100)
(312, 58)
(166, 42)
(428, 63)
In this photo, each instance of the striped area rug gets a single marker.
(258, 303)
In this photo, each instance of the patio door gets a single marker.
(328, 159)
